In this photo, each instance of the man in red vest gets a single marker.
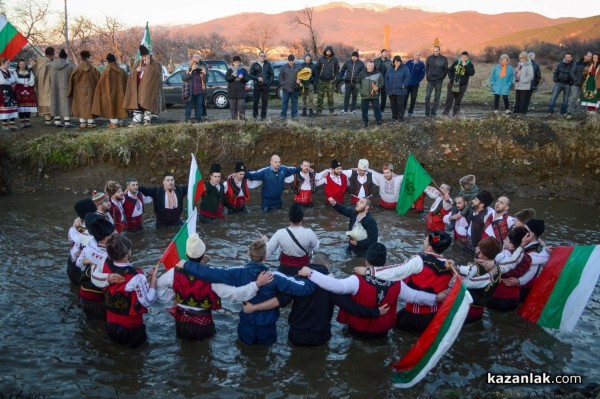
(237, 189)
(372, 292)
(133, 205)
(498, 223)
(115, 195)
(335, 182)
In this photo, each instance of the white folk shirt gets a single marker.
(79, 240)
(471, 278)
(400, 271)
(437, 196)
(251, 184)
(460, 225)
(489, 231)
(350, 285)
(138, 283)
(164, 289)
(323, 175)
(97, 255)
(508, 261)
(119, 204)
(281, 239)
(360, 179)
(139, 205)
(319, 180)
(488, 211)
(389, 190)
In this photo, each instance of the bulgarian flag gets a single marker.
(562, 290)
(435, 340)
(415, 181)
(176, 249)
(195, 186)
(145, 42)
(11, 41)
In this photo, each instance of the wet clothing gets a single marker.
(272, 184)
(133, 205)
(367, 222)
(166, 215)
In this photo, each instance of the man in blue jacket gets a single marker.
(273, 180)
(258, 327)
(416, 67)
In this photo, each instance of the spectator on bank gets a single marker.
(349, 74)
(261, 71)
(110, 93)
(562, 84)
(290, 84)
(41, 70)
(537, 78)
(195, 78)
(396, 82)
(501, 81)
(370, 81)
(60, 102)
(577, 78)
(590, 96)
(25, 92)
(326, 71)
(524, 77)
(436, 69)
(237, 77)
(81, 87)
(382, 64)
(416, 67)
(308, 86)
(459, 73)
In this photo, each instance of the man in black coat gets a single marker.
(436, 69)
(359, 214)
(168, 201)
(310, 317)
(261, 71)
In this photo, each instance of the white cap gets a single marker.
(194, 247)
(363, 164)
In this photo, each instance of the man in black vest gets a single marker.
(359, 214)
(168, 201)
(214, 197)
(360, 182)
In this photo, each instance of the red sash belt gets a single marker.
(293, 261)
(304, 197)
(387, 205)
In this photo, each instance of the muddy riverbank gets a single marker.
(525, 157)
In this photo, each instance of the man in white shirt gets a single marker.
(304, 184)
(389, 186)
(360, 182)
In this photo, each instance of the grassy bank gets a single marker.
(556, 158)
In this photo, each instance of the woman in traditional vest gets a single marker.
(126, 302)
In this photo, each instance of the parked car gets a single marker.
(275, 88)
(216, 89)
(206, 64)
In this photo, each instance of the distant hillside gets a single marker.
(362, 26)
(584, 29)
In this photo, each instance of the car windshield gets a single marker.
(175, 78)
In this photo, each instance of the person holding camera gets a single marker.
(236, 78)
(288, 79)
(194, 87)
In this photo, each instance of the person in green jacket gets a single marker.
(371, 82)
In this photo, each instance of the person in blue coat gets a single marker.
(396, 83)
(416, 67)
(272, 178)
(501, 81)
(258, 327)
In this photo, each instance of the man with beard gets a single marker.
(102, 202)
(304, 184)
(326, 71)
(436, 69)
(389, 186)
(382, 64)
(360, 182)
(110, 92)
(370, 82)
(168, 201)
(498, 223)
(336, 182)
(362, 228)
(273, 181)
(133, 205)
(456, 223)
(481, 209)
(82, 85)
(237, 187)
(115, 194)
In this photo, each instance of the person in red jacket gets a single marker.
(237, 189)
(336, 182)
(126, 302)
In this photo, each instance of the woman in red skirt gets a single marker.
(25, 91)
(8, 101)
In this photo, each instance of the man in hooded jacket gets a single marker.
(326, 70)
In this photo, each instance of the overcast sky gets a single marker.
(158, 12)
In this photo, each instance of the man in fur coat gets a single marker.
(41, 71)
(144, 87)
(110, 92)
(82, 84)
(60, 103)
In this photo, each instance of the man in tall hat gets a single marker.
(79, 237)
(110, 93)
(336, 182)
(237, 188)
(214, 197)
(82, 86)
(360, 182)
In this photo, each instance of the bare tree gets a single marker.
(30, 18)
(81, 32)
(306, 18)
(259, 36)
(109, 32)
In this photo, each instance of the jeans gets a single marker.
(284, 103)
(365, 109)
(430, 110)
(454, 97)
(261, 92)
(397, 105)
(196, 101)
(574, 101)
(556, 90)
(351, 88)
(412, 92)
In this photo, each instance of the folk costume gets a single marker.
(304, 186)
(439, 209)
(389, 190)
(60, 101)
(507, 298)
(238, 193)
(133, 208)
(82, 87)
(79, 237)
(168, 205)
(359, 186)
(590, 93)
(497, 226)
(8, 99)
(117, 213)
(214, 198)
(297, 243)
(335, 186)
(481, 285)
(42, 87)
(110, 93)
(26, 98)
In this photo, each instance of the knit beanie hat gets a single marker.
(195, 247)
(489, 247)
(98, 198)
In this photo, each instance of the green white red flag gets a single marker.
(176, 249)
(195, 186)
(11, 41)
(435, 340)
(562, 290)
(415, 181)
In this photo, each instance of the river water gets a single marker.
(47, 348)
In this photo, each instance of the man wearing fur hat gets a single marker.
(362, 228)
(481, 210)
(498, 223)
(195, 299)
(133, 205)
(115, 194)
(480, 282)
(389, 185)
(81, 87)
(336, 182)
(304, 184)
(110, 93)
(349, 73)
(144, 89)
(60, 101)
(167, 200)
(273, 182)
(236, 78)
(261, 71)
(214, 197)
(41, 71)
(370, 291)
(424, 272)
(360, 182)
(79, 237)
(296, 242)
(237, 188)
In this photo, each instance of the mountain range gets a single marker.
(362, 26)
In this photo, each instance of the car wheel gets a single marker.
(280, 92)
(342, 87)
(220, 101)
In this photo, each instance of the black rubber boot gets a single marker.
(303, 111)
(311, 113)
